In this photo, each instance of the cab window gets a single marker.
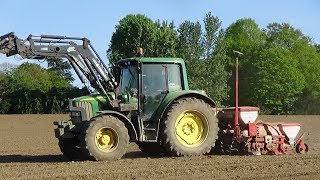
(174, 77)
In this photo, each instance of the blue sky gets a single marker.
(96, 20)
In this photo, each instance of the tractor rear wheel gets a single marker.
(189, 127)
(104, 138)
(152, 149)
(70, 148)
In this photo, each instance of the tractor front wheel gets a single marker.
(104, 138)
(189, 128)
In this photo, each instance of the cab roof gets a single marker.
(153, 60)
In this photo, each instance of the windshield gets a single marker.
(129, 78)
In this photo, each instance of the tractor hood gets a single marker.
(94, 97)
(93, 103)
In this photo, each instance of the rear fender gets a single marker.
(171, 97)
(131, 130)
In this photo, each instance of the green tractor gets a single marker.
(155, 109)
(141, 100)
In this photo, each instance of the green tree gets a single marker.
(212, 35)
(307, 103)
(189, 46)
(56, 108)
(60, 67)
(245, 36)
(26, 107)
(317, 46)
(132, 32)
(3, 82)
(166, 39)
(4, 106)
(277, 81)
(157, 39)
(280, 64)
(4, 103)
(305, 54)
(32, 76)
(215, 59)
(26, 89)
(205, 53)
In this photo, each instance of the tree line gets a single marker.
(31, 89)
(278, 72)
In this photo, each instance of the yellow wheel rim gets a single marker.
(191, 128)
(106, 139)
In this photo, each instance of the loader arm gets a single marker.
(78, 51)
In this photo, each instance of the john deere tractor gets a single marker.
(141, 100)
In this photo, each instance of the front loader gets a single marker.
(141, 100)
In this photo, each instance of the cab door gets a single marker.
(154, 88)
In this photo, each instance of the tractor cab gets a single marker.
(147, 81)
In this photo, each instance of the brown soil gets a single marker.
(29, 150)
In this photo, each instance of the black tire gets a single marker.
(301, 150)
(104, 138)
(152, 149)
(175, 126)
(70, 148)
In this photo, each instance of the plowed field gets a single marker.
(29, 150)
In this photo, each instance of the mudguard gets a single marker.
(131, 130)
